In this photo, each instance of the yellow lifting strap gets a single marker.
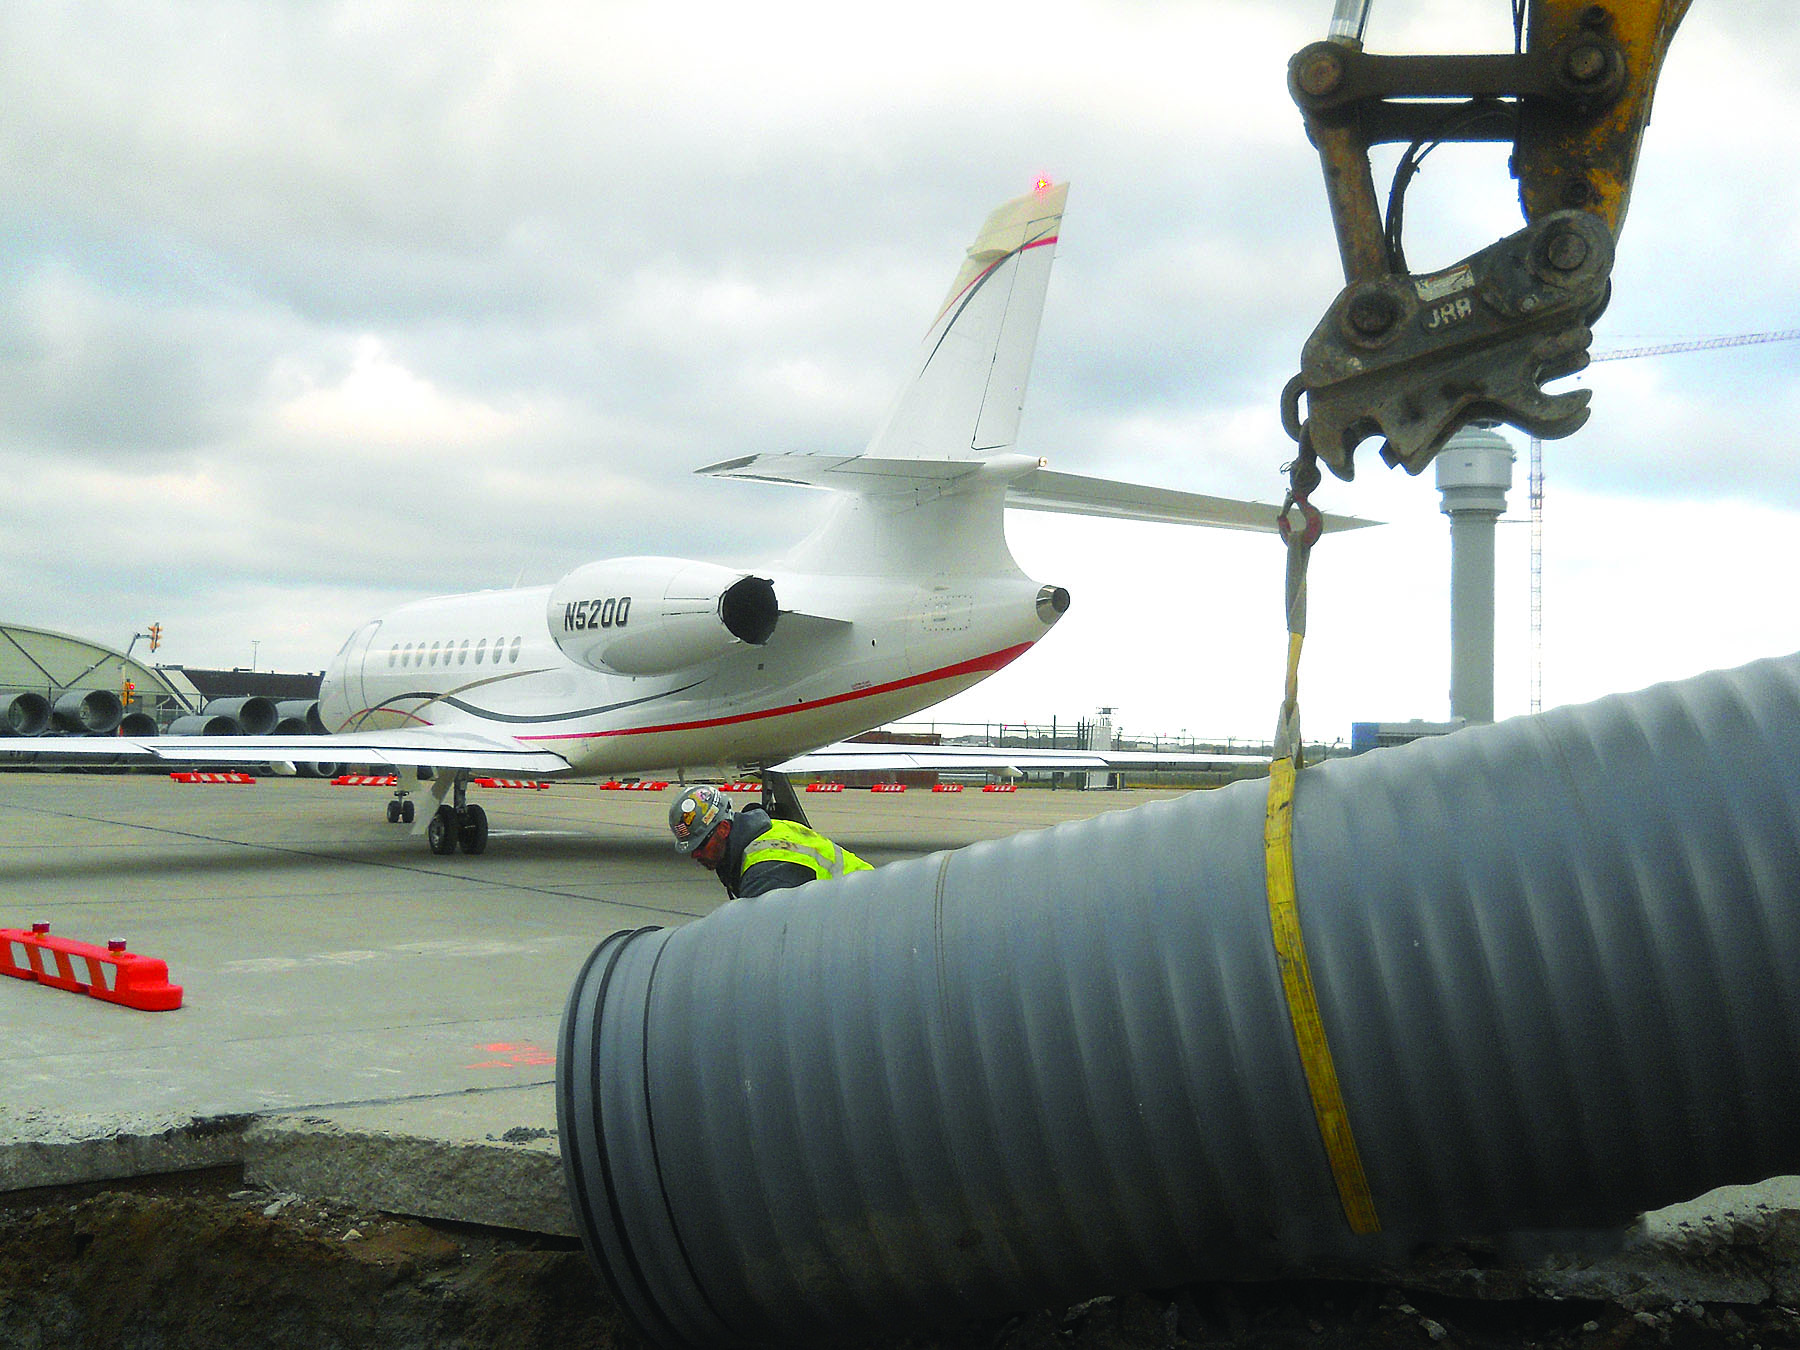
(1284, 918)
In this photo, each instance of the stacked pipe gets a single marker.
(203, 724)
(1555, 958)
(89, 712)
(138, 724)
(251, 716)
(24, 714)
(299, 717)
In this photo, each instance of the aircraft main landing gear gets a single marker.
(400, 808)
(779, 798)
(459, 823)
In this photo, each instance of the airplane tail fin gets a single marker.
(967, 386)
(927, 495)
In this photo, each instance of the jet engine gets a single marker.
(650, 616)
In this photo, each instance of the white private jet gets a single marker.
(905, 595)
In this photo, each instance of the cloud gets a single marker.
(310, 308)
(381, 404)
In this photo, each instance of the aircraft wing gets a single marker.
(853, 756)
(433, 747)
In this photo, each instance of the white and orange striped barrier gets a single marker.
(108, 973)
(366, 780)
(946, 787)
(887, 787)
(740, 787)
(824, 787)
(642, 785)
(196, 776)
(528, 784)
(1000, 787)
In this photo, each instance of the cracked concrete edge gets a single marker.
(37, 1153)
(493, 1183)
(1738, 1244)
(487, 1180)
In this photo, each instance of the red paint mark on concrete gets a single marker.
(522, 1054)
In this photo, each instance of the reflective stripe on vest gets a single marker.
(785, 841)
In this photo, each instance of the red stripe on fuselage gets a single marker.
(981, 664)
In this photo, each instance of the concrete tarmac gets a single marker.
(345, 989)
(366, 1021)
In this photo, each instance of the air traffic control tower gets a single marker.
(1474, 470)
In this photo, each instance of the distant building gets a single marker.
(1379, 735)
(240, 683)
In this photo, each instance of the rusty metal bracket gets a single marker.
(1412, 358)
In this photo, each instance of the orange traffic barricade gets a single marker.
(109, 973)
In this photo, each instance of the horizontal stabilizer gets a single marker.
(1042, 490)
(866, 474)
(1029, 487)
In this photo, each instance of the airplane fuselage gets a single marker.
(863, 651)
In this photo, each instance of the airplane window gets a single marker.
(406, 657)
(480, 651)
(434, 652)
(393, 657)
(462, 653)
(513, 655)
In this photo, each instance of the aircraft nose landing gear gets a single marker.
(459, 823)
(400, 808)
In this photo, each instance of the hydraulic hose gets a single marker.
(1555, 957)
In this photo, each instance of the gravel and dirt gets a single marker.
(197, 1262)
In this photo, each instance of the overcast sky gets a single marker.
(308, 309)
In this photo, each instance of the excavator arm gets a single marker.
(1411, 357)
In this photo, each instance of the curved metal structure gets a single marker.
(1556, 959)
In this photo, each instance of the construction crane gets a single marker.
(1537, 479)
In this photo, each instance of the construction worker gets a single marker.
(749, 852)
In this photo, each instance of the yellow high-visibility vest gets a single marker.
(785, 841)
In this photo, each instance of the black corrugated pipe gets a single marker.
(24, 713)
(203, 724)
(1558, 961)
(89, 712)
(306, 709)
(254, 714)
(137, 723)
